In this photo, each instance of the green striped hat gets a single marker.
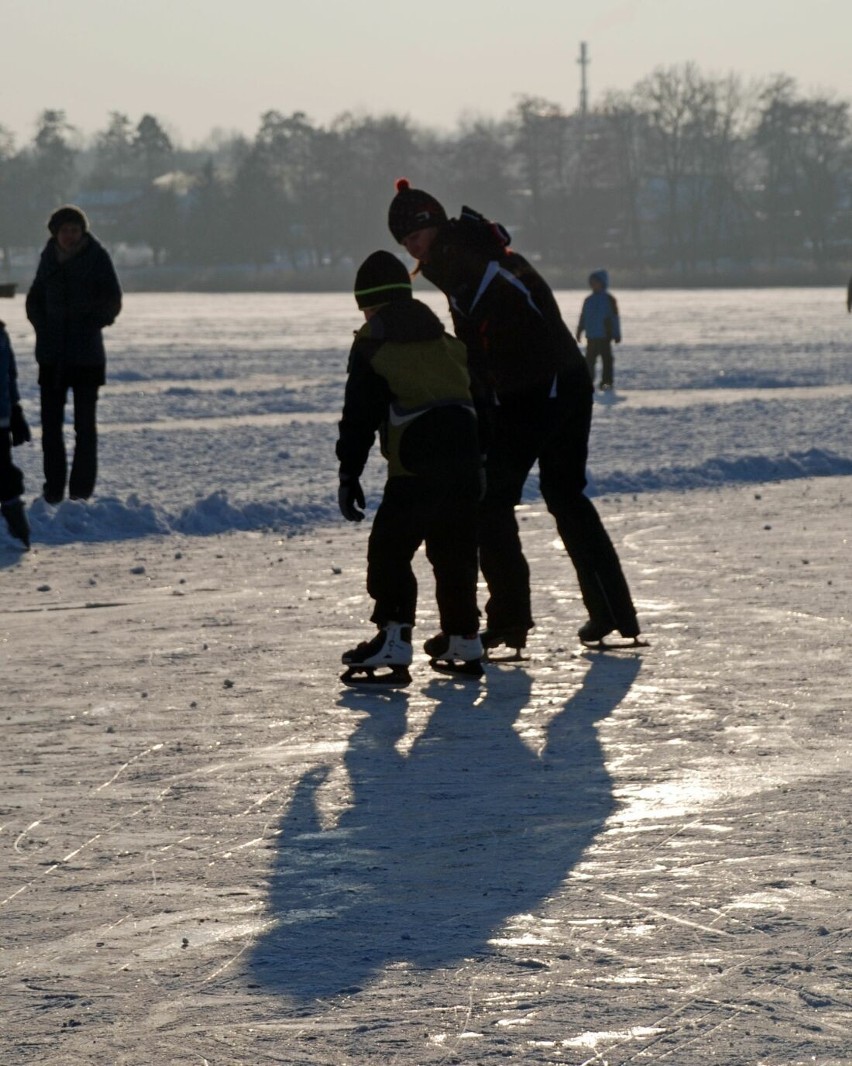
(382, 278)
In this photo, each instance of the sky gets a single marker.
(205, 65)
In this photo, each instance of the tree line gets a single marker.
(687, 175)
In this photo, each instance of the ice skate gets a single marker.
(459, 655)
(593, 635)
(16, 519)
(384, 660)
(436, 646)
(513, 637)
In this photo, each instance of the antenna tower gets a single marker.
(583, 63)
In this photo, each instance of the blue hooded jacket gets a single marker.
(599, 317)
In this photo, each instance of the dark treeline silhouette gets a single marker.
(686, 178)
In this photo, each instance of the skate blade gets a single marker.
(459, 669)
(514, 648)
(615, 645)
(390, 676)
(511, 656)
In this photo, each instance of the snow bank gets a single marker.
(720, 471)
(111, 519)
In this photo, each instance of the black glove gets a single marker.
(18, 427)
(349, 494)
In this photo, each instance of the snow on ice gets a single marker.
(213, 854)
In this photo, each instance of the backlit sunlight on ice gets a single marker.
(212, 853)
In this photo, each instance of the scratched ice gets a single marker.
(210, 853)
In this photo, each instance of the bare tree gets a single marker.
(806, 151)
(53, 160)
(14, 208)
(152, 148)
(114, 157)
(541, 148)
(627, 137)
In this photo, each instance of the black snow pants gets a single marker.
(11, 478)
(443, 514)
(554, 431)
(84, 466)
(603, 348)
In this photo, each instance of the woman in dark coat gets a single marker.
(524, 357)
(75, 294)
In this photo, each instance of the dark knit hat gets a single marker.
(68, 213)
(382, 278)
(411, 210)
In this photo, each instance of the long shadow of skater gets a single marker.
(441, 844)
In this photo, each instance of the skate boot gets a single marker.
(16, 519)
(384, 660)
(510, 636)
(459, 655)
(592, 633)
(436, 646)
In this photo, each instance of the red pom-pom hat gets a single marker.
(413, 209)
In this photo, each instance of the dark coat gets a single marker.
(69, 303)
(503, 310)
(9, 395)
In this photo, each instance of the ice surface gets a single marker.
(231, 401)
(212, 853)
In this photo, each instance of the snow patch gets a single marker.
(746, 469)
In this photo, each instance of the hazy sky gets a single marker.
(205, 64)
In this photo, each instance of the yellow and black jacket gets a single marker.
(408, 380)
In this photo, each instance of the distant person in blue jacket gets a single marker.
(599, 321)
(13, 431)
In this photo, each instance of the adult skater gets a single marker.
(75, 294)
(600, 322)
(520, 348)
(408, 380)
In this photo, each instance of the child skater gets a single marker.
(13, 431)
(600, 322)
(408, 380)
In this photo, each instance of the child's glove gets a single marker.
(18, 427)
(349, 494)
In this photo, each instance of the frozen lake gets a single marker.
(212, 855)
(240, 394)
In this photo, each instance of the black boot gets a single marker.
(437, 645)
(511, 636)
(593, 632)
(16, 519)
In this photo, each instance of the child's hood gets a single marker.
(600, 275)
(405, 321)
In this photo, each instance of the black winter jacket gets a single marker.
(504, 311)
(69, 303)
(9, 395)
